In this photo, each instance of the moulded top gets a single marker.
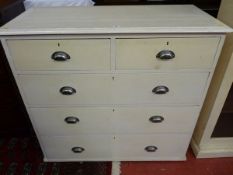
(114, 19)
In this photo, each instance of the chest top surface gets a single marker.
(114, 19)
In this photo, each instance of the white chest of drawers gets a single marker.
(113, 83)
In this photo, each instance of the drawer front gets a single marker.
(48, 89)
(151, 147)
(118, 147)
(86, 54)
(100, 120)
(189, 53)
(89, 89)
(159, 88)
(72, 121)
(155, 119)
(80, 147)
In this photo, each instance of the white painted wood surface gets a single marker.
(105, 89)
(51, 121)
(203, 144)
(117, 148)
(190, 53)
(114, 19)
(85, 54)
(115, 120)
(132, 147)
(106, 93)
(97, 147)
(136, 120)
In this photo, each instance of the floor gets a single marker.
(193, 166)
(23, 157)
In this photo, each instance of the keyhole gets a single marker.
(168, 43)
(58, 44)
(113, 78)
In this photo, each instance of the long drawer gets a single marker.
(80, 147)
(81, 54)
(100, 120)
(86, 89)
(116, 147)
(166, 53)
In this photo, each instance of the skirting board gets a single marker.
(210, 153)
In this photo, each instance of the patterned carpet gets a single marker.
(22, 156)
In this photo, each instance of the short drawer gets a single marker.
(155, 119)
(159, 88)
(81, 54)
(91, 89)
(151, 147)
(66, 89)
(103, 120)
(71, 121)
(78, 148)
(166, 53)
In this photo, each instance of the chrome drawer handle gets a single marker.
(66, 90)
(151, 148)
(165, 55)
(71, 120)
(60, 56)
(78, 149)
(160, 90)
(156, 119)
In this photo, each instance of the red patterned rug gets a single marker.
(22, 156)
